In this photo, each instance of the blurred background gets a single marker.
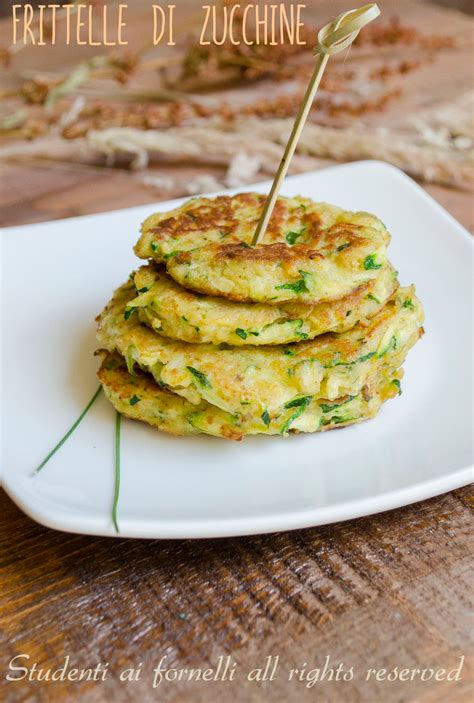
(463, 5)
(85, 129)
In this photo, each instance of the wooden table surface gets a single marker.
(387, 591)
(376, 593)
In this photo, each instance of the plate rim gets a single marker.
(240, 527)
(231, 527)
(361, 163)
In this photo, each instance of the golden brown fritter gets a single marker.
(177, 313)
(311, 252)
(140, 398)
(252, 380)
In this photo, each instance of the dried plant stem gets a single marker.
(423, 161)
(210, 141)
(149, 96)
(161, 62)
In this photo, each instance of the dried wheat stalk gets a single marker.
(440, 151)
(204, 143)
(424, 161)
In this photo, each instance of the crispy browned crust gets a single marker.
(219, 213)
(222, 213)
(267, 252)
(205, 245)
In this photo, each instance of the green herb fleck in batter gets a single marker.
(327, 407)
(370, 296)
(297, 287)
(291, 237)
(343, 246)
(398, 385)
(128, 312)
(371, 263)
(200, 377)
(300, 404)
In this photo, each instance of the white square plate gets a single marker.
(58, 275)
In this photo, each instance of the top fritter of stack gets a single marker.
(319, 268)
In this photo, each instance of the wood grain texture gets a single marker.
(389, 590)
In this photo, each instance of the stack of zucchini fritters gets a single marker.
(304, 332)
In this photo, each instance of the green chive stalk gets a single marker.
(118, 419)
(70, 431)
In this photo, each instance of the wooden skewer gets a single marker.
(332, 39)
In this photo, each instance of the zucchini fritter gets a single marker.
(264, 379)
(312, 252)
(177, 313)
(140, 398)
